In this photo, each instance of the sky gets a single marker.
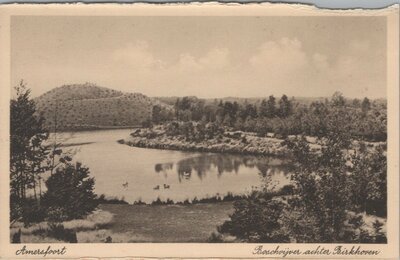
(207, 57)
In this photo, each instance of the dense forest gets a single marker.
(364, 119)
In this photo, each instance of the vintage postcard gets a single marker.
(199, 131)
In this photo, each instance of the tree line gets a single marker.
(365, 119)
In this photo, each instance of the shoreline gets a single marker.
(286, 190)
(245, 143)
(93, 128)
(190, 148)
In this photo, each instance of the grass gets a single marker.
(166, 223)
(44, 232)
(124, 223)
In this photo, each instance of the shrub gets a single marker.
(59, 232)
(56, 213)
(139, 202)
(320, 200)
(16, 237)
(32, 213)
(256, 220)
(161, 202)
(287, 190)
(70, 193)
(215, 238)
(102, 199)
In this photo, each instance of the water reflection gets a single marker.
(223, 163)
(178, 175)
(161, 167)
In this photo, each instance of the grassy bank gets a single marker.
(123, 223)
(167, 223)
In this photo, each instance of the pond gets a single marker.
(147, 174)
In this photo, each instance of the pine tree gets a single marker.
(28, 153)
(70, 193)
(285, 107)
(271, 107)
(365, 105)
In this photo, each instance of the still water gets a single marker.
(146, 174)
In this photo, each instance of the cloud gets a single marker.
(285, 64)
(139, 56)
(136, 55)
(284, 56)
(215, 59)
(277, 67)
(188, 63)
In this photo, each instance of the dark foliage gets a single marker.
(102, 199)
(33, 213)
(162, 202)
(328, 186)
(256, 220)
(139, 202)
(16, 238)
(70, 193)
(27, 155)
(365, 120)
(59, 232)
(215, 238)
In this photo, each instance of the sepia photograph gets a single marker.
(199, 129)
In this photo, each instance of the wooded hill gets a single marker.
(87, 106)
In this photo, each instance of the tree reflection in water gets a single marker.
(224, 163)
(163, 167)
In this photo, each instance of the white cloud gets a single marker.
(286, 64)
(139, 56)
(280, 57)
(276, 67)
(136, 56)
(215, 59)
(187, 63)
